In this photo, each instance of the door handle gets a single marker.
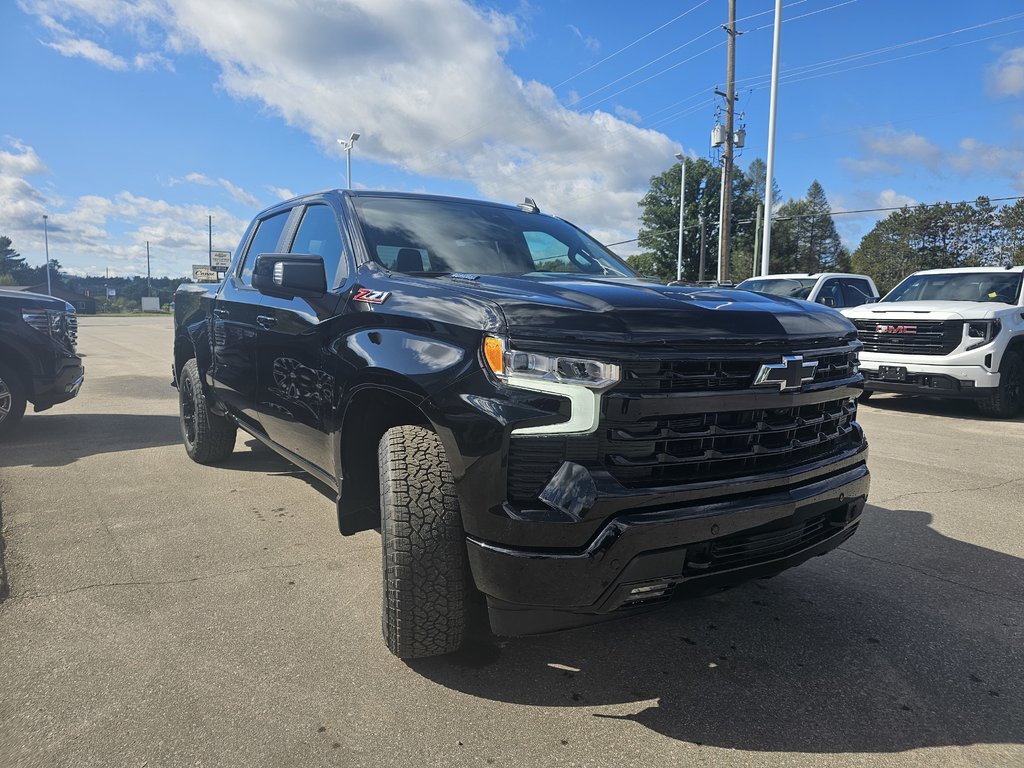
(266, 321)
(220, 313)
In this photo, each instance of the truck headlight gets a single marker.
(576, 378)
(511, 365)
(982, 330)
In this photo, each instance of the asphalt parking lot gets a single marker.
(164, 613)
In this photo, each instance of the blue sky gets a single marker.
(133, 120)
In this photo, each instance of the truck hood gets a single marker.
(929, 310)
(634, 310)
(26, 299)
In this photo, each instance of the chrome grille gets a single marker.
(930, 337)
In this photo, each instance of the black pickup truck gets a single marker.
(524, 417)
(38, 362)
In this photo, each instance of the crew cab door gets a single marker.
(234, 328)
(294, 390)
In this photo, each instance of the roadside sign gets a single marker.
(111, 293)
(220, 260)
(203, 274)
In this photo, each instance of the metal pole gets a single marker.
(730, 103)
(348, 166)
(682, 208)
(703, 251)
(211, 242)
(766, 243)
(46, 241)
(757, 236)
(148, 274)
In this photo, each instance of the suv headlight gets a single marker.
(510, 366)
(580, 380)
(982, 330)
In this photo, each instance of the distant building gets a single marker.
(84, 305)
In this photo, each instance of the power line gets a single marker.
(831, 213)
(630, 45)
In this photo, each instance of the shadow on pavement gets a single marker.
(55, 439)
(931, 406)
(260, 458)
(902, 639)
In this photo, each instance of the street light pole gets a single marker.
(770, 170)
(682, 203)
(46, 241)
(347, 146)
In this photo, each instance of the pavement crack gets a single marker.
(946, 490)
(168, 582)
(932, 575)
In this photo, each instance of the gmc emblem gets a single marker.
(906, 329)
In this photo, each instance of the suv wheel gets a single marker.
(208, 438)
(424, 549)
(1008, 399)
(12, 401)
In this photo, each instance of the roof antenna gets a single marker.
(529, 206)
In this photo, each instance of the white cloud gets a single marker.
(890, 198)
(280, 193)
(23, 161)
(94, 232)
(592, 44)
(905, 145)
(875, 166)
(87, 49)
(628, 114)
(1006, 76)
(234, 190)
(424, 82)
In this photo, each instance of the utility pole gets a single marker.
(211, 242)
(730, 108)
(757, 239)
(148, 289)
(682, 207)
(46, 240)
(703, 251)
(771, 140)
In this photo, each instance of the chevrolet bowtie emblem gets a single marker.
(790, 374)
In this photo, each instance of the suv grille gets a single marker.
(930, 337)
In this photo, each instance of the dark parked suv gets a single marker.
(38, 363)
(523, 416)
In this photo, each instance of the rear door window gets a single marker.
(831, 290)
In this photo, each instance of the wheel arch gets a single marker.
(370, 412)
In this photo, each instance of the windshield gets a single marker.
(439, 237)
(1001, 287)
(790, 287)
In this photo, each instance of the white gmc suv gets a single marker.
(948, 333)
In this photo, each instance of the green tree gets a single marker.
(1010, 221)
(659, 218)
(11, 262)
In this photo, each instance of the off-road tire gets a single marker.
(1008, 399)
(424, 548)
(208, 438)
(12, 400)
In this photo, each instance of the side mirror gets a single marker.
(828, 301)
(871, 300)
(287, 275)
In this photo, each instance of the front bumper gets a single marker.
(641, 559)
(51, 390)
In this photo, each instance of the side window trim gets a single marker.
(286, 231)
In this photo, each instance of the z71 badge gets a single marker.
(371, 297)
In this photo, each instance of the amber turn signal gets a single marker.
(494, 353)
